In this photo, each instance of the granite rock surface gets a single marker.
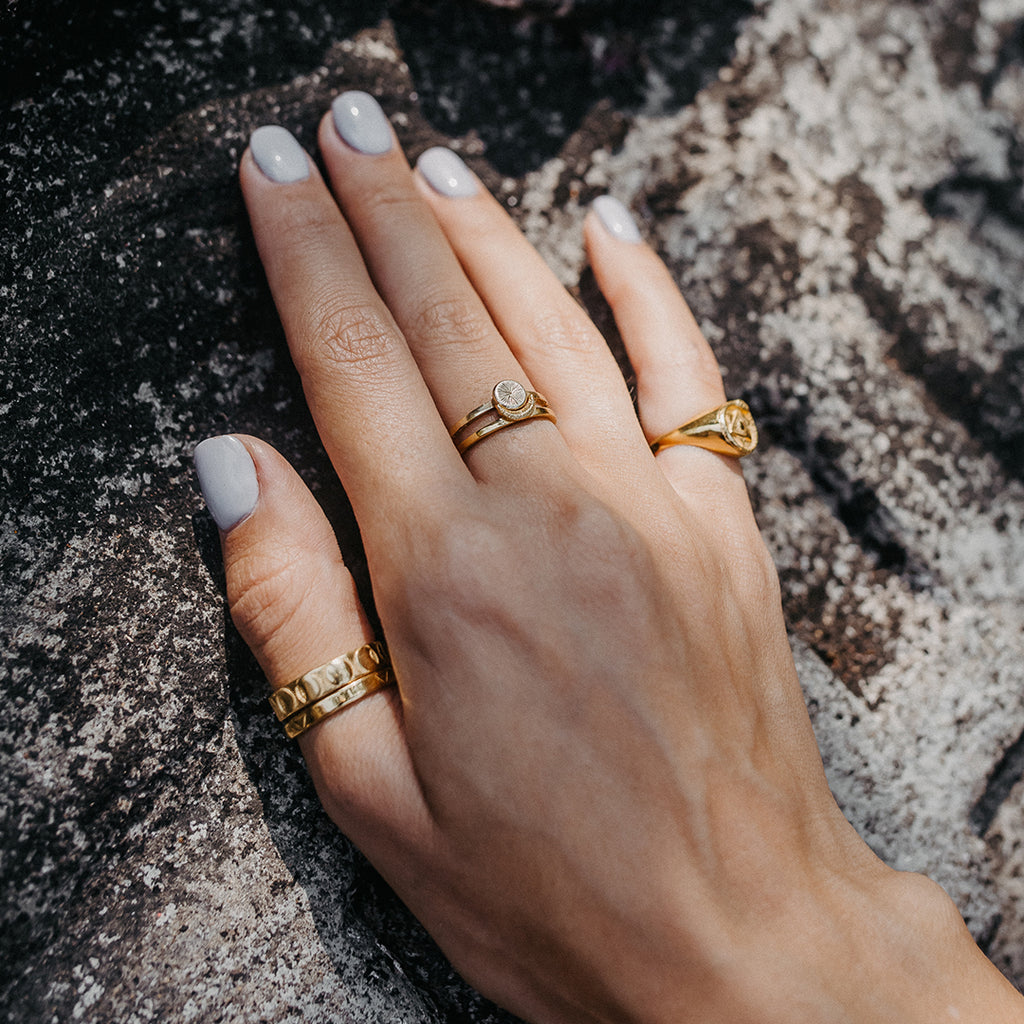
(839, 189)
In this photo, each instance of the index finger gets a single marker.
(374, 413)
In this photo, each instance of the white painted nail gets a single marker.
(227, 478)
(361, 123)
(278, 155)
(616, 219)
(446, 173)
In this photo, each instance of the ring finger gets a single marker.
(548, 331)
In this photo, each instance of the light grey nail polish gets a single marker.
(617, 220)
(359, 120)
(227, 478)
(446, 173)
(278, 155)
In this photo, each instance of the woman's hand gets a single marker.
(595, 783)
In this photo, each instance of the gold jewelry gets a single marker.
(319, 682)
(512, 403)
(728, 430)
(337, 701)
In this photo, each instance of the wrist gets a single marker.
(862, 945)
(879, 946)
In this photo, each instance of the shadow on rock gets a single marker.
(364, 928)
(524, 84)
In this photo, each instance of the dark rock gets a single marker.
(839, 198)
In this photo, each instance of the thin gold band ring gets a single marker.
(319, 682)
(337, 701)
(511, 403)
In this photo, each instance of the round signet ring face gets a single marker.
(727, 430)
(512, 401)
(738, 427)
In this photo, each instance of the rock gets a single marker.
(555, 8)
(837, 188)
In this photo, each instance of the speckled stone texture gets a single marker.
(838, 188)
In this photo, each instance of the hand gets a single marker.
(595, 783)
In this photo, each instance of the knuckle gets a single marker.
(388, 199)
(604, 555)
(465, 558)
(345, 334)
(475, 554)
(266, 591)
(690, 360)
(624, 288)
(763, 573)
(617, 556)
(449, 321)
(302, 222)
(568, 335)
(487, 563)
(750, 566)
(477, 563)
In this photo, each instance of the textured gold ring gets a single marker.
(728, 430)
(510, 403)
(337, 701)
(319, 682)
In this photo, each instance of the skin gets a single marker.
(596, 783)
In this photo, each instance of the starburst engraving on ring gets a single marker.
(512, 401)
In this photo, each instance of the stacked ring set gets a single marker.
(332, 687)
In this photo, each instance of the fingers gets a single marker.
(374, 413)
(552, 337)
(677, 375)
(296, 606)
(456, 345)
(457, 348)
(407, 303)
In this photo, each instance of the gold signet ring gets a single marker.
(728, 430)
(510, 403)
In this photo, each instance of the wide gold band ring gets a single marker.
(510, 403)
(337, 701)
(319, 682)
(728, 430)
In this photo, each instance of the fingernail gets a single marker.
(616, 219)
(227, 478)
(361, 123)
(446, 173)
(278, 155)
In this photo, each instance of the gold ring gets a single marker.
(337, 701)
(728, 430)
(319, 682)
(511, 403)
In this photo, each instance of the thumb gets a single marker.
(295, 604)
